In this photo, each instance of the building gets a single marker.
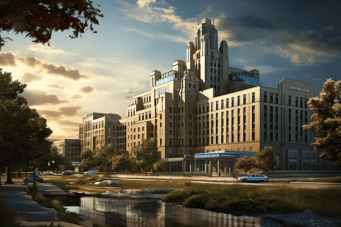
(69, 148)
(203, 105)
(99, 129)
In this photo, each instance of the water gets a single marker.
(147, 212)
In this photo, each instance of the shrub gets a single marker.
(196, 201)
(188, 183)
(7, 216)
(181, 195)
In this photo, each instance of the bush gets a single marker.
(188, 183)
(181, 195)
(7, 216)
(196, 201)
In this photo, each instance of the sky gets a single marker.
(102, 72)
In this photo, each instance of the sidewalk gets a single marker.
(28, 212)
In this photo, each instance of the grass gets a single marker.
(7, 216)
(326, 180)
(247, 199)
(179, 174)
(62, 215)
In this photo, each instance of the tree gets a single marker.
(266, 160)
(326, 122)
(160, 164)
(147, 154)
(125, 161)
(89, 160)
(39, 18)
(246, 163)
(22, 132)
(105, 157)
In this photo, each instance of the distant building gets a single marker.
(69, 148)
(100, 129)
(203, 105)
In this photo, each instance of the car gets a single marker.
(30, 179)
(90, 172)
(68, 172)
(49, 173)
(253, 178)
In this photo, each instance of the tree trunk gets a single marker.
(19, 172)
(9, 175)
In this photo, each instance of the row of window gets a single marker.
(146, 115)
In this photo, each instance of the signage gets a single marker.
(299, 89)
(216, 155)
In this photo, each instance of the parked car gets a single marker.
(90, 172)
(253, 178)
(30, 179)
(68, 172)
(49, 173)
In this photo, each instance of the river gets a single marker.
(102, 211)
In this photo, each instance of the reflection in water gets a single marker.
(137, 212)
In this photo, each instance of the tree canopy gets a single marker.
(147, 154)
(39, 18)
(22, 132)
(326, 122)
(246, 163)
(265, 160)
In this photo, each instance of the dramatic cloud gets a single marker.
(76, 96)
(30, 61)
(7, 59)
(87, 89)
(55, 86)
(35, 97)
(305, 49)
(69, 110)
(61, 70)
(29, 77)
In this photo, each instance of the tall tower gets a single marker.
(209, 62)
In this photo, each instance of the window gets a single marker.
(265, 134)
(216, 105)
(265, 96)
(244, 99)
(276, 98)
(222, 104)
(253, 97)
(238, 100)
(301, 102)
(306, 101)
(232, 102)
(289, 100)
(271, 97)
(244, 136)
(170, 109)
(160, 142)
(253, 135)
(227, 103)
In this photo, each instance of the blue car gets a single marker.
(90, 172)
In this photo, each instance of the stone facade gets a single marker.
(69, 148)
(99, 129)
(203, 105)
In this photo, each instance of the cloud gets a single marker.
(45, 49)
(49, 113)
(143, 3)
(160, 12)
(76, 96)
(30, 61)
(55, 86)
(68, 123)
(305, 49)
(127, 91)
(71, 129)
(35, 97)
(7, 59)
(29, 77)
(159, 36)
(87, 89)
(69, 110)
(330, 27)
(61, 70)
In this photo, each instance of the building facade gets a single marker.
(99, 129)
(203, 105)
(70, 149)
